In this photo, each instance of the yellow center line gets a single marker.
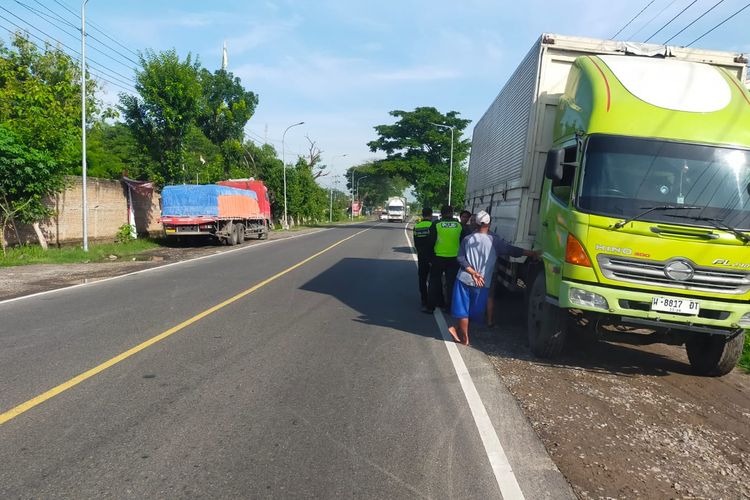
(31, 403)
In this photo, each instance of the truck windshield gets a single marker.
(623, 176)
(396, 208)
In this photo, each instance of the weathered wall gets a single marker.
(107, 211)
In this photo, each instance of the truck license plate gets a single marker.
(674, 305)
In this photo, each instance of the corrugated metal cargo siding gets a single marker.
(499, 140)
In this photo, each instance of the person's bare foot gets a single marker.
(454, 334)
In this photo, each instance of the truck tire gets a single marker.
(714, 356)
(240, 233)
(231, 239)
(263, 234)
(547, 324)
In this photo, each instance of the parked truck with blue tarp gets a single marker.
(628, 166)
(226, 214)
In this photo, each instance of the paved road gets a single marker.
(324, 381)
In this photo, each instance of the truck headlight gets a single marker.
(587, 299)
(745, 320)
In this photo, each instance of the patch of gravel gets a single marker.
(628, 422)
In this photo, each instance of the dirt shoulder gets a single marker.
(628, 422)
(25, 280)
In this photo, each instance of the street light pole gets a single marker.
(330, 210)
(358, 181)
(85, 207)
(283, 164)
(450, 174)
(351, 208)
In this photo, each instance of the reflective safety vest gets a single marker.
(448, 238)
(422, 236)
(422, 229)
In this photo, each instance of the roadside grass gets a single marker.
(28, 254)
(277, 227)
(745, 359)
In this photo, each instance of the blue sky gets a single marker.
(341, 66)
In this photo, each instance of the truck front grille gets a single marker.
(646, 272)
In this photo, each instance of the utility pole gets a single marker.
(450, 174)
(84, 194)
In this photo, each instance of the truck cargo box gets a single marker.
(258, 187)
(209, 200)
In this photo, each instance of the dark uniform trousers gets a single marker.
(449, 267)
(424, 261)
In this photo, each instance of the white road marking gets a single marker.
(506, 479)
(157, 268)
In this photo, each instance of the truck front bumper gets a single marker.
(714, 314)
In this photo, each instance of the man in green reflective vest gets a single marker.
(446, 236)
(425, 252)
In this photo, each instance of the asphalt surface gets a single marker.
(325, 381)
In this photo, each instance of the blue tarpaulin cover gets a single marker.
(197, 199)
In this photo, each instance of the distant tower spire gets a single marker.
(224, 57)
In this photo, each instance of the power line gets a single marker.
(653, 18)
(12, 32)
(724, 21)
(96, 27)
(43, 16)
(634, 18)
(127, 79)
(694, 21)
(670, 21)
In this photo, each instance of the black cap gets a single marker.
(446, 211)
(427, 212)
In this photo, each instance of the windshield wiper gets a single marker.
(718, 224)
(648, 210)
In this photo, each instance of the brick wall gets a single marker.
(107, 211)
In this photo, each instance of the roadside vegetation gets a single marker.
(105, 252)
(745, 359)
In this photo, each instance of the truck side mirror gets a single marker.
(553, 168)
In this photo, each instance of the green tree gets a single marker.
(112, 151)
(40, 116)
(160, 119)
(419, 152)
(227, 107)
(376, 186)
(27, 175)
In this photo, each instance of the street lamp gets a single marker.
(83, 128)
(450, 174)
(283, 164)
(330, 210)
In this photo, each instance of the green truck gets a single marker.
(628, 166)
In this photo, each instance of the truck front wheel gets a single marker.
(547, 324)
(714, 356)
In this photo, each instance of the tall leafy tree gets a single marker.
(375, 186)
(227, 107)
(171, 96)
(40, 123)
(419, 152)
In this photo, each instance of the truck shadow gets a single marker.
(382, 291)
(508, 339)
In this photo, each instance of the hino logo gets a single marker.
(728, 263)
(620, 250)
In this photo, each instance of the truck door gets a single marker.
(555, 208)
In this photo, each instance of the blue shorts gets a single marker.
(469, 301)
